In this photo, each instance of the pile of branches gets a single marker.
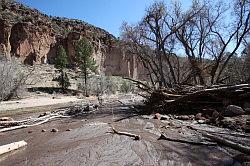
(191, 99)
(184, 99)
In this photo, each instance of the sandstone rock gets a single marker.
(233, 110)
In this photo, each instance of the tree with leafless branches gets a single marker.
(153, 41)
(215, 33)
(12, 79)
(210, 33)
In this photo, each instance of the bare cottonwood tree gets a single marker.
(12, 79)
(214, 35)
(210, 33)
(153, 41)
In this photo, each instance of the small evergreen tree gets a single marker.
(61, 63)
(85, 62)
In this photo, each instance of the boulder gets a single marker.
(199, 117)
(54, 130)
(183, 117)
(233, 110)
(157, 116)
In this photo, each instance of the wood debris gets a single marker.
(12, 146)
(136, 137)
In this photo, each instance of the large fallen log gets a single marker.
(164, 137)
(220, 140)
(236, 146)
(170, 101)
(12, 146)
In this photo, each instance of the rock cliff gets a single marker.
(33, 37)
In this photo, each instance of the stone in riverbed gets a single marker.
(233, 110)
(183, 117)
(199, 117)
(54, 130)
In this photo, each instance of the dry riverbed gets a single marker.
(89, 140)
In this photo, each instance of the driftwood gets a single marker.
(34, 122)
(136, 137)
(237, 146)
(12, 146)
(220, 133)
(183, 100)
(164, 137)
(220, 140)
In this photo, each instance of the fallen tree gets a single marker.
(164, 137)
(189, 99)
(12, 146)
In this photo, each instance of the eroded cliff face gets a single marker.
(33, 38)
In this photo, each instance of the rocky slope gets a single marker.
(33, 37)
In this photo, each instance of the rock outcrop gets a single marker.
(33, 37)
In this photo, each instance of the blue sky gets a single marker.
(106, 14)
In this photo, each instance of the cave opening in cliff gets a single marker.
(18, 34)
(30, 59)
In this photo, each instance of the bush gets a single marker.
(126, 86)
(63, 82)
(12, 80)
(100, 85)
(107, 85)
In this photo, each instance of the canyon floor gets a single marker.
(89, 140)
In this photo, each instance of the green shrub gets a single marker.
(126, 86)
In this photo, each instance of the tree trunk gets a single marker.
(62, 80)
(85, 79)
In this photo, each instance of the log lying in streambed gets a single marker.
(12, 146)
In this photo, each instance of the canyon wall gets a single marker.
(33, 38)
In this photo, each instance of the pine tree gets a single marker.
(85, 62)
(61, 63)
